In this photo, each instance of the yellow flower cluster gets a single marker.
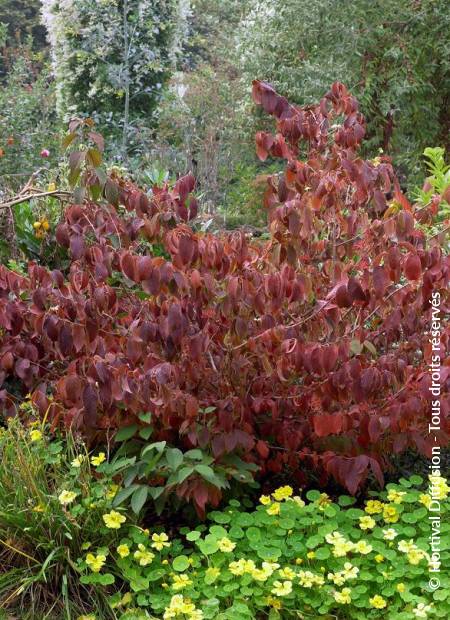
(307, 579)
(242, 566)
(180, 606)
(342, 546)
(349, 572)
(281, 494)
(413, 553)
(41, 227)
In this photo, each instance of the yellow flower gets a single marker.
(390, 514)
(367, 523)
(374, 507)
(265, 500)
(126, 598)
(35, 435)
(334, 538)
(282, 493)
(377, 601)
(287, 573)
(363, 547)
(341, 546)
(274, 509)
(226, 545)
(112, 491)
(337, 578)
(273, 602)
(389, 534)
(39, 508)
(212, 573)
(421, 610)
(307, 579)
(237, 568)
(396, 496)
(88, 617)
(405, 546)
(415, 555)
(260, 574)
(311, 555)
(113, 520)
(180, 582)
(425, 499)
(243, 566)
(298, 500)
(66, 497)
(323, 501)
(143, 555)
(401, 587)
(298, 560)
(95, 562)
(379, 558)
(99, 459)
(77, 461)
(343, 597)
(160, 541)
(179, 606)
(282, 589)
(350, 571)
(123, 550)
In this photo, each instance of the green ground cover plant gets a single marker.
(66, 547)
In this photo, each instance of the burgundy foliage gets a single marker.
(313, 347)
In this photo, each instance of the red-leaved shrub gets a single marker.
(310, 348)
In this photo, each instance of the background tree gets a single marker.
(22, 21)
(393, 55)
(111, 58)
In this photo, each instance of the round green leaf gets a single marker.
(180, 563)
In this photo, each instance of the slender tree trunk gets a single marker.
(126, 60)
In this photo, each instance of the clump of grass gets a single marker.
(39, 538)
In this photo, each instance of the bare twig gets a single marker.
(20, 198)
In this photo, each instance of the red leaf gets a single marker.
(413, 267)
(328, 424)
